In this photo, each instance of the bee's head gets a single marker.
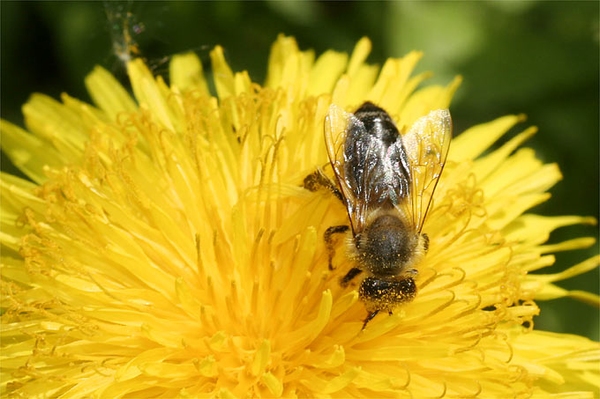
(387, 246)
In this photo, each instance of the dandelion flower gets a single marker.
(164, 246)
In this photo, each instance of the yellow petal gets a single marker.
(108, 94)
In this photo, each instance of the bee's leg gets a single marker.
(425, 241)
(329, 241)
(369, 318)
(355, 271)
(318, 180)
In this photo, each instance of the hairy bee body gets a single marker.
(386, 181)
(386, 246)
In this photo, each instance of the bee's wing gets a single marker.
(336, 128)
(371, 170)
(426, 143)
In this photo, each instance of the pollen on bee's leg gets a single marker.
(318, 180)
(425, 242)
(344, 281)
(313, 182)
(327, 237)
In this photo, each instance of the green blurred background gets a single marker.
(538, 58)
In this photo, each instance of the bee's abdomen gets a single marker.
(386, 294)
(386, 245)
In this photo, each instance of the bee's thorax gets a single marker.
(387, 246)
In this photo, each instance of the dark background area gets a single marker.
(537, 58)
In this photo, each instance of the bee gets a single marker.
(386, 181)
